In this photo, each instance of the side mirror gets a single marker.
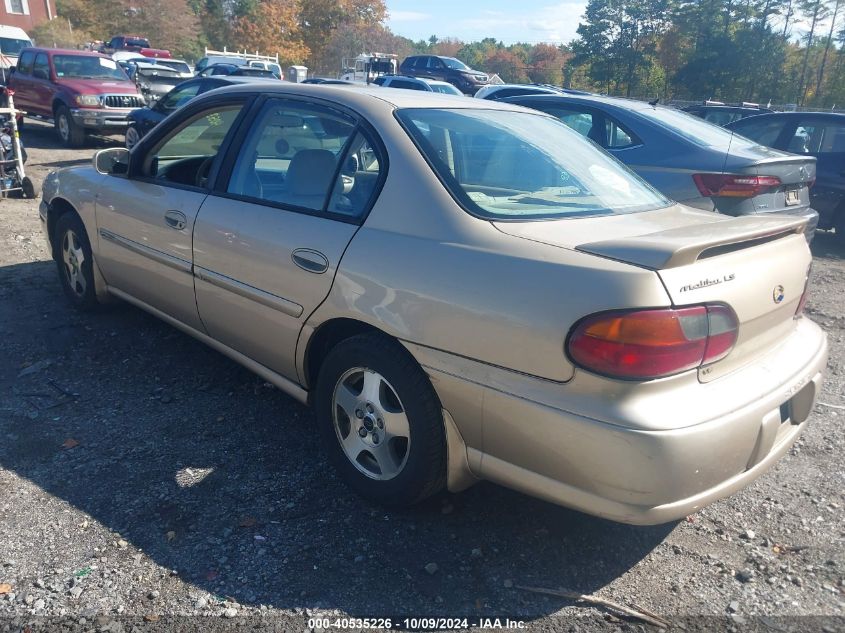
(113, 161)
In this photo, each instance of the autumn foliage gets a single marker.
(271, 27)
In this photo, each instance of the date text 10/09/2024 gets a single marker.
(415, 624)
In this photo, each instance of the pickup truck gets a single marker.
(134, 44)
(79, 91)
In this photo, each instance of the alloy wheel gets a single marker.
(371, 423)
(73, 258)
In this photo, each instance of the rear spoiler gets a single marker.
(686, 245)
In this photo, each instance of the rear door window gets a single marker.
(292, 155)
(817, 137)
(617, 136)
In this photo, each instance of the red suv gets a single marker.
(79, 91)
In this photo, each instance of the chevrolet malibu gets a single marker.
(462, 291)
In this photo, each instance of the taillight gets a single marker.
(645, 344)
(733, 186)
(803, 302)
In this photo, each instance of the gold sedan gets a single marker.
(462, 289)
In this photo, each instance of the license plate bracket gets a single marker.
(793, 197)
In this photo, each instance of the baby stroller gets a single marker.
(13, 180)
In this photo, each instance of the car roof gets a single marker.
(733, 108)
(372, 99)
(64, 51)
(622, 103)
(830, 115)
(7, 30)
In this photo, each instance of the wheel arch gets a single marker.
(459, 474)
(56, 209)
(58, 102)
(324, 338)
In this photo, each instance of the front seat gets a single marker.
(309, 178)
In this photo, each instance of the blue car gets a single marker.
(145, 119)
(686, 158)
(817, 134)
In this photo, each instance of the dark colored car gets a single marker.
(225, 70)
(817, 134)
(143, 120)
(448, 69)
(154, 80)
(80, 91)
(689, 160)
(134, 43)
(326, 80)
(723, 114)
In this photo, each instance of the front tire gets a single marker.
(132, 137)
(70, 134)
(381, 421)
(75, 263)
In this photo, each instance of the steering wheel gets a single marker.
(201, 179)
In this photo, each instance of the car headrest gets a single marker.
(282, 147)
(310, 172)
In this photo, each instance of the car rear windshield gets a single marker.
(690, 127)
(504, 165)
(137, 41)
(87, 67)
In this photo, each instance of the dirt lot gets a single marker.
(142, 474)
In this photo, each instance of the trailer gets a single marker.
(368, 66)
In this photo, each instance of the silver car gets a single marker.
(461, 289)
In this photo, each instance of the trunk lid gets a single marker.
(796, 173)
(757, 265)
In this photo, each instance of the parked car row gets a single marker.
(685, 158)
(465, 289)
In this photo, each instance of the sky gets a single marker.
(510, 21)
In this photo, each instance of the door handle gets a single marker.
(310, 260)
(176, 220)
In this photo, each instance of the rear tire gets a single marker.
(381, 421)
(75, 263)
(70, 134)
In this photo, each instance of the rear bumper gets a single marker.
(106, 119)
(580, 447)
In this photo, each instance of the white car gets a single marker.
(495, 92)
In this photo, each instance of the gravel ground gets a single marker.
(144, 478)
